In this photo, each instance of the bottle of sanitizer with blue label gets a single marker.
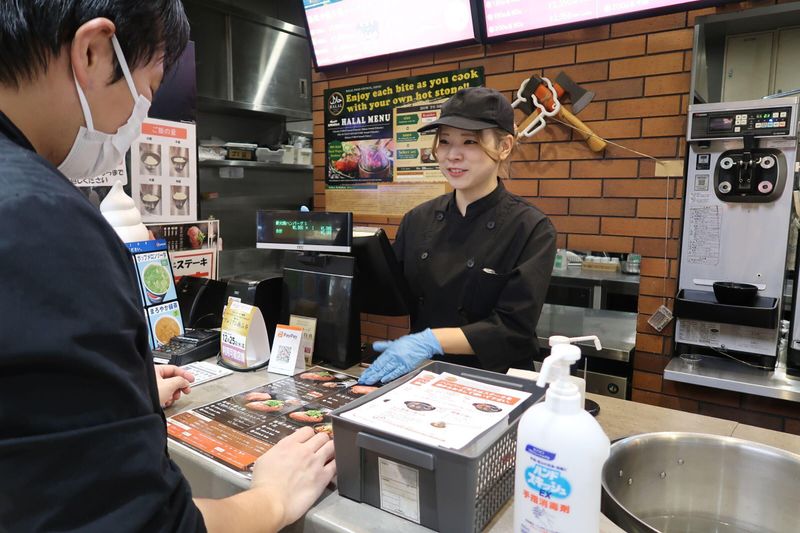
(561, 450)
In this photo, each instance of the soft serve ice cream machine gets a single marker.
(736, 220)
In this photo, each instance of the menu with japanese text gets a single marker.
(439, 409)
(164, 171)
(157, 290)
(235, 431)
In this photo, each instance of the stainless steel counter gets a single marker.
(615, 329)
(720, 373)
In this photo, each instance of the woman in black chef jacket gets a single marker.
(478, 260)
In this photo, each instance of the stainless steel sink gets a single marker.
(698, 483)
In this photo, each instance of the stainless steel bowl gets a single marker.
(692, 483)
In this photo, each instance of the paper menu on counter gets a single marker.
(439, 410)
(236, 430)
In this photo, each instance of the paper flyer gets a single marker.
(444, 410)
(235, 431)
(193, 246)
(164, 171)
(309, 325)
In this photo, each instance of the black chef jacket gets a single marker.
(82, 435)
(486, 272)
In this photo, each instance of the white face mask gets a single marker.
(95, 152)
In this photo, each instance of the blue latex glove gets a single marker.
(401, 356)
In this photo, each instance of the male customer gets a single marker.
(82, 435)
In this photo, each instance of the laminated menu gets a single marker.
(439, 409)
(157, 290)
(235, 431)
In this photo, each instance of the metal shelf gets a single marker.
(253, 164)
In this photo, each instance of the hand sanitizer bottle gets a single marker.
(561, 450)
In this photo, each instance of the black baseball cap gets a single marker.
(475, 108)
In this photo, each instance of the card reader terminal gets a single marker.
(193, 345)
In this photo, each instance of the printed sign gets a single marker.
(284, 357)
(157, 290)
(164, 171)
(309, 325)
(243, 336)
(373, 152)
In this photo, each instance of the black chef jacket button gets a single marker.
(490, 224)
(470, 263)
(439, 216)
(424, 256)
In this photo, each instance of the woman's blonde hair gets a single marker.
(496, 135)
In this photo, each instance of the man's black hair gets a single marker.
(32, 32)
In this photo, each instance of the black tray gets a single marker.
(703, 305)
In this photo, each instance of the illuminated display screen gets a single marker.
(295, 230)
(343, 31)
(506, 17)
(720, 124)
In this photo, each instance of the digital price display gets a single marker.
(304, 231)
(343, 31)
(507, 17)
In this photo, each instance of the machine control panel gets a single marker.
(756, 175)
(768, 122)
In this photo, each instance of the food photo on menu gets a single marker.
(438, 409)
(150, 157)
(234, 430)
(370, 160)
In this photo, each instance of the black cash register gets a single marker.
(340, 273)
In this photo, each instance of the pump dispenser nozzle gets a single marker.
(561, 358)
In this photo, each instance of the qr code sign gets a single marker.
(284, 354)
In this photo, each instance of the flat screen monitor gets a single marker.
(346, 31)
(314, 231)
(504, 18)
(382, 287)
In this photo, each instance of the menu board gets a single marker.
(237, 430)
(506, 17)
(343, 31)
(157, 290)
(377, 163)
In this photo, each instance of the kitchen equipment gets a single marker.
(730, 293)
(193, 345)
(692, 482)
(241, 151)
(738, 189)
(267, 155)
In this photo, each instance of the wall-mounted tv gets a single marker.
(505, 18)
(348, 31)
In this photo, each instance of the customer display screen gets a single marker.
(342, 31)
(305, 231)
(506, 17)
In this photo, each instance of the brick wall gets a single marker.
(640, 72)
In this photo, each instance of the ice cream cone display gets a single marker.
(120, 211)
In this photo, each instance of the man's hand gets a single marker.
(172, 381)
(295, 472)
(401, 356)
